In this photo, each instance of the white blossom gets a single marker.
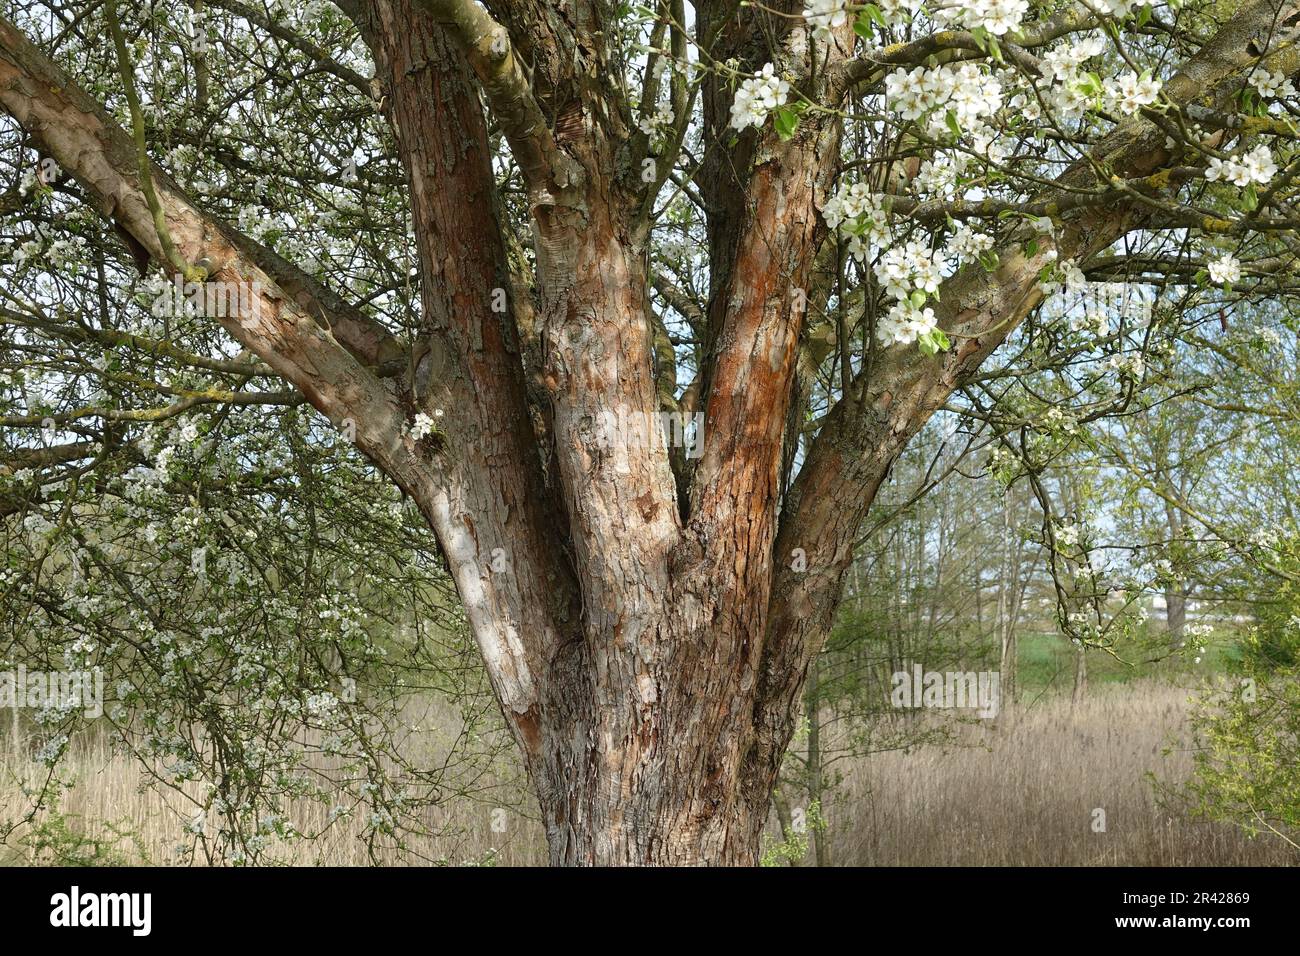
(1270, 85)
(1224, 270)
(860, 216)
(898, 12)
(1067, 278)
(998, 17)
(966, 90)
(1256, 166)
(654, 122)
(323, 704)
(826, 15)
(421, 426)
(758, 96)
(911, 267)
(1122, 8)
(1065, 62)
(1130, 92)
(904, 324)
(965, 243)
(939, 175)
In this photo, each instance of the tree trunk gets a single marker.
(647, 764)
(1080, 675)
(1010, 573)
(1175, 615)
(816, 784)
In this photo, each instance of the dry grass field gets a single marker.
(1022, 792)
(1026, 792)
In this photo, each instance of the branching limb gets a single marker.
(172, 255)
(491, 54)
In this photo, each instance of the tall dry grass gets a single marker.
(126, 818)
(1022, 792)
(1026, 792)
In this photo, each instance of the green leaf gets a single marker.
(917, 299)
(933, 342)
(1031, 248)
(786, 122)
(953, 124)
(862, 25)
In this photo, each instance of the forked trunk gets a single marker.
(647, 634)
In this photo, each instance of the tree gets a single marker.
(647, 606)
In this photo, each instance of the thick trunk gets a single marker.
(641, 744)
(644, 746)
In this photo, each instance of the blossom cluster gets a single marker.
(1270, 85)
(1067, 277)
(1066, 62)
(966, 244)
(911, 267)
(1122, 8)
(860, 217)
(1130, 92)
(1256, 166)
(998, 17)
(965, 90)
(757, 97)
(905, 323)
(825, 15)
(1068, 91)
(652, 123)
(424, 424)
(1224, 269)
(909, 273)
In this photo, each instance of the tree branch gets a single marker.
(899, 391)
(491, 54)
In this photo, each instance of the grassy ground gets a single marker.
(1046, 662)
